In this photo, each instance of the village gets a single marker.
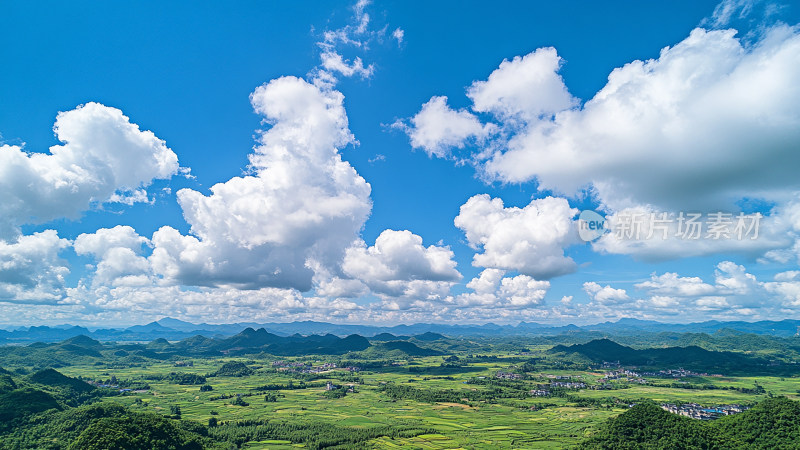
(695, 411)
(306, 367)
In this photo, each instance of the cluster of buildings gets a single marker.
(695, 411)
(568, 384)
(559, 377)
(116, 386)
(290, 364)
(620, 374)
(507, 376)
(543, 390)
(304, 367)
(331, 387)
(626, 375)
(678, 373)
(102, 385)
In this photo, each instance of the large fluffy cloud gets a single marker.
(526, 88)
(301, 204)
(605, 294)
(702, 126)
(103, 157)
(31, 270)
(492, 290)
(437, 128)
(786, 287)
(118, 252)
(399, 265)
(671, 284)
(530, 240)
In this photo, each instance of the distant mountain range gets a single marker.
(174, 329)
(250, 341)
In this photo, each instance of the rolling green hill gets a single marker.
(51, 377)
(772, 424)
(19, 403)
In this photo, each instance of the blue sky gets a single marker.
(363, 152)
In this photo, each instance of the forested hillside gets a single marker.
(772, 424)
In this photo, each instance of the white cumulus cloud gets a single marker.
(491, 289)
(301, 204)
(530, 240)
(605, 294)
(526, 87)
(119, 255)
(31, 270)
(707, 123)
(103, 157)
(437, 128)
(673, 285)
(399, 265)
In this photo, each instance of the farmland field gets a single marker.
(429, 391)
